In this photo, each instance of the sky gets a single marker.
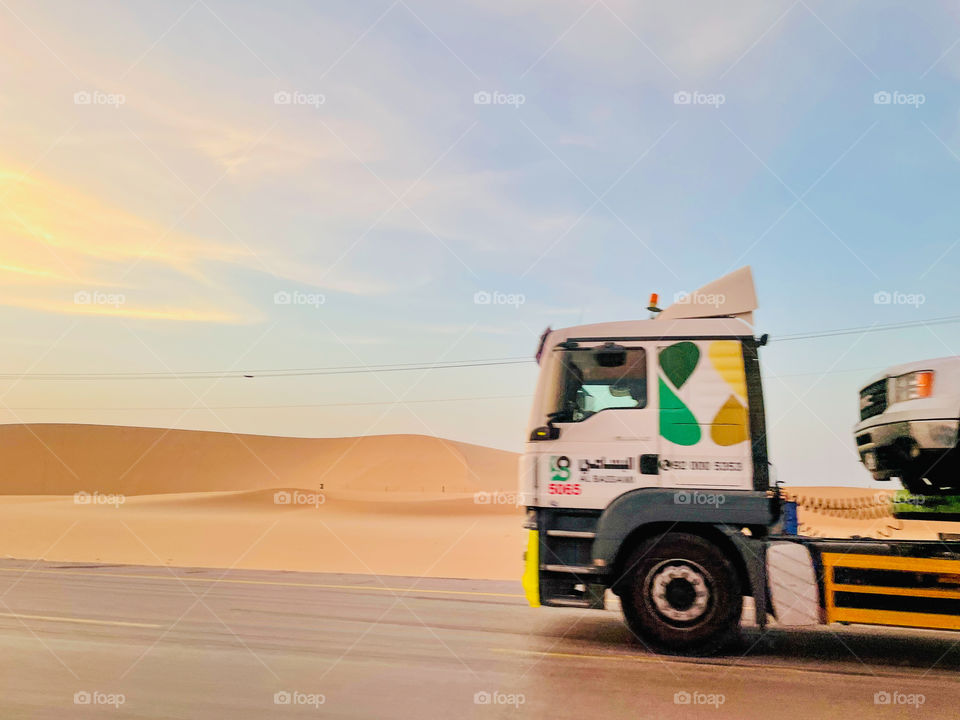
(237, 186)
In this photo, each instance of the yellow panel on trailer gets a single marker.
(892, 590)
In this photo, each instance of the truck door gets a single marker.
(602, 400)
(704, 430)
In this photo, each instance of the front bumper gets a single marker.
(885, 447)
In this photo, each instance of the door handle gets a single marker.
(650, 464)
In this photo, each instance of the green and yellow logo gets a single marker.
(678, 424)
(559, 468)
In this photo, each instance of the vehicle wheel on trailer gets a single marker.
(914, 483)
(931, 482)
(681, 595)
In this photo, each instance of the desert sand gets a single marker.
(398, 505)
(387, 505)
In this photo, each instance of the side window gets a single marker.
(585, 388)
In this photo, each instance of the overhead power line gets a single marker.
(866, 329)
(398, 403)
(406, 367)
(292, 372)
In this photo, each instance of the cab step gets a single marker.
(572, 569)
(581, 534)
(570, 602)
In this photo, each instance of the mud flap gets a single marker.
(794, 591)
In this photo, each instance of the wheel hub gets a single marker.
(679, 591)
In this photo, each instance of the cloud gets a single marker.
(120, 309)
(646, 41)
(59, 241)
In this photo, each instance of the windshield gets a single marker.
(583, 388)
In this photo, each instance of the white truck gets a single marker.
(645, 472)
(909, 417)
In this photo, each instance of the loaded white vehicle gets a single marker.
(909, 417)
(646, 473)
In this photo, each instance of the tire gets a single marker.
(681, 595)
(913, 483)
(941, 474)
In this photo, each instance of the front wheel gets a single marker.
(681, 595)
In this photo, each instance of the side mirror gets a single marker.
(610, 355)
(547, 432)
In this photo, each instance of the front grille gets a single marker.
(873, 399)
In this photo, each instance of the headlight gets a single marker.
(911, 386)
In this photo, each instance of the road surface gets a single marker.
(86, 641)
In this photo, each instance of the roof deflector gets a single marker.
(733, 295)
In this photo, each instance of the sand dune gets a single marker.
(397, 504)
(61, 459)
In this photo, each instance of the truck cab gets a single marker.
(645, 473)
(641, 427)
(667, 404)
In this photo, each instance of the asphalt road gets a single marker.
(81, 641)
